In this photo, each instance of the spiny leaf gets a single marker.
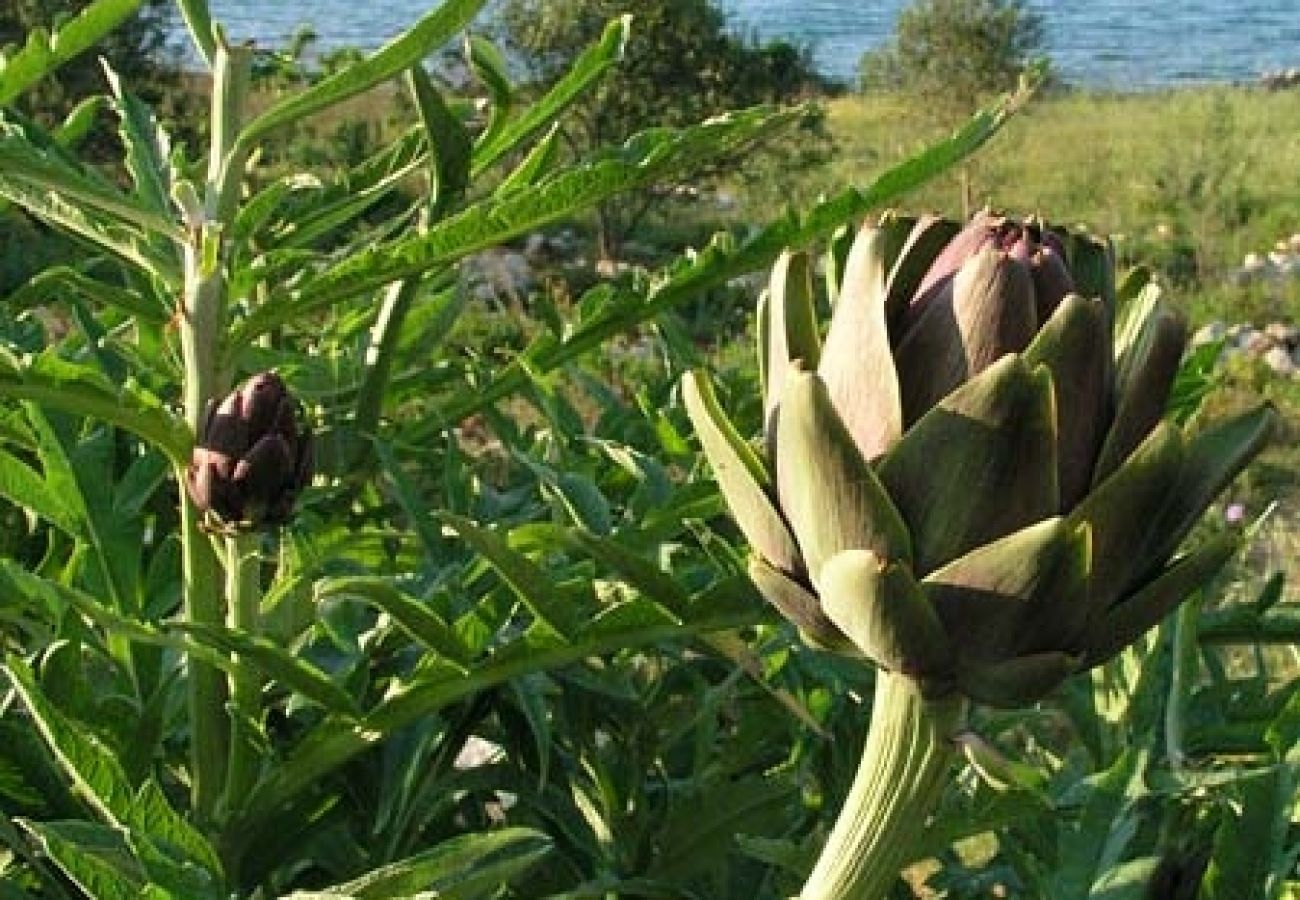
(275, 662)
(23, 163)
(419, 619)
(724, 260)
(645, 159)
(97, 775)
(43, 52)
(404, 51)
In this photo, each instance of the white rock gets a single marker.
(1279, 359)
(1209, 333)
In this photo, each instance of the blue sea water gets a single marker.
(1119, 44)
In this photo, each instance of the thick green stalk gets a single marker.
(244, 599)
(202, 322)
(905, 766)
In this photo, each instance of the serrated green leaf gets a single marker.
(536, 165)
(23, 486)
(529, 583)
(23, 163)
(275, 662)
(586, 70)
(643, 160)
(43, 52)
(641, 574)
(404, 51)
(99, 778)
(467, 867)
(54, 284)
(724, 260)
(418, 619)
(721, 607)
(147, 147)
(1106, 825)
(95, 858)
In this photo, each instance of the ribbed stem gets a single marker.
(905, 767)
(244, 598)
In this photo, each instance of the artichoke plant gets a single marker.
(968, 481)
(252, 458)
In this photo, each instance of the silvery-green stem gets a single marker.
(905, 766)
(201, 323)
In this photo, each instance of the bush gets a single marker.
(955, 53)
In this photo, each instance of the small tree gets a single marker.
(951, 55)
(681, 65)
(955, 53)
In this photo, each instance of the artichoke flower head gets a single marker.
(252, 458)
(969, 478)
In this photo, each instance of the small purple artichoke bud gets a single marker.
(253, 456)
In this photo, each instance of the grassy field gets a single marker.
(1188, 181)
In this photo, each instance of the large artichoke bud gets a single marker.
(253, 457)
(970, 480)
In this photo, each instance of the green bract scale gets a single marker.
(968, 477)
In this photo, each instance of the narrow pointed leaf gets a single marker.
(829, 493)
(54, 284)
(95, 858)
(56, 383)
(147, 147)
(885, 613)
(529, 583)
(489, 66)
(276, 663)
(431, 32)
(740, 474)
(467, 867)
(857, 365)
(724, 259)
(586, 71)
(639, 573)
(539, 163)
(644, 159)
(417, 618)
(449, 144)
(23, 164)
(44, 52)
(979, 465)
(100, 779)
